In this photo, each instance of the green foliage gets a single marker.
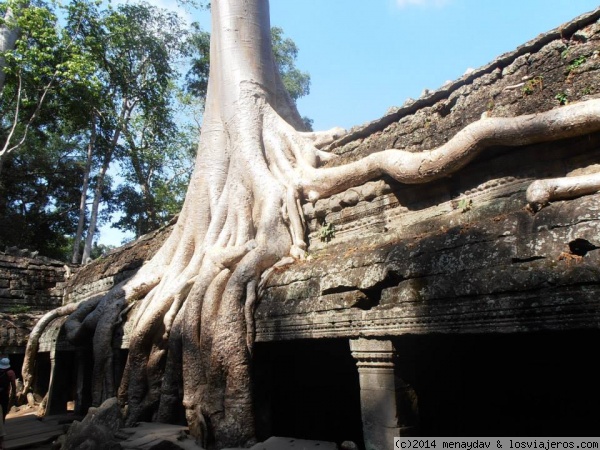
(308, 123)
(285, 51)
(464, 205)
(576, 63)
(103, 78)
(157, 157)
(39, 191)
(327, 232)
(562, 98)
(19, 309)
(137, 46)
(198, 48)
(107, 77)
(536, 83)
(100, 250)
(157, 173)
(43, 69)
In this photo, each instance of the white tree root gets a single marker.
(103, 382)
(28, 368)
(322, 138)
(542, 192)
(567, 121)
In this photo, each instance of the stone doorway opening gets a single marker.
(518, 384)
(41, 375)
(63, 383)
(307, 389)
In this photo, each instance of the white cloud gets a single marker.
(421, 3)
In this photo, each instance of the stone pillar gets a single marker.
(375, 362)
(52, 402)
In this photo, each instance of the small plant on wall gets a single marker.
(463, 205)
(576, 63)
(562, 98)
(532, 85)
(327, 232)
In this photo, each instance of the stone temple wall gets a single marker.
(29, 286)
(458, 254)
(31, 283)
(114, 267)
(462, 254)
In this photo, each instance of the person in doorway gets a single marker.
(8, 386)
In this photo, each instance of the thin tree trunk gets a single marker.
(143, 181)
(84, 189)
(151, 220)
(89, 238)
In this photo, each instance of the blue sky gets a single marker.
(365, 56)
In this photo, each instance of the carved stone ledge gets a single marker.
(373, 354)
(560, 309)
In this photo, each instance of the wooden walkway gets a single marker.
(30, 432)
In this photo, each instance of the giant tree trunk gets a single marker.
(230, 230)
(193, 303)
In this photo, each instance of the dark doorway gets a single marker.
(64, 385)
(526, 384)
(41, 378)
(307, 389)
